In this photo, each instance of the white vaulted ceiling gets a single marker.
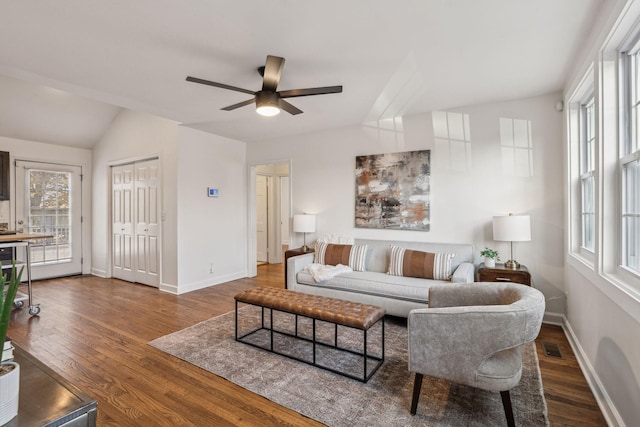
(392, 57)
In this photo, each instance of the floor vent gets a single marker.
(552, 350)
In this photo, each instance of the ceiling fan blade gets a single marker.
(272, 73)
(311, 91)
(239, 104)
(220, 85)
(289, 108)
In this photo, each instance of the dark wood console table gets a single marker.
(47, 399)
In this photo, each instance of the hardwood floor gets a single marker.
(94, 332)
(570, 401)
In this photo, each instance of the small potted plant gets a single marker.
(9, 371)
(490, 257)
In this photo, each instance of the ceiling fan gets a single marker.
(268, 101)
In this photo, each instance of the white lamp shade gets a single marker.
(512, 228)
(304, 223)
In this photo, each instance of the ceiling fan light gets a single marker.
(267, 110)
(267, 104)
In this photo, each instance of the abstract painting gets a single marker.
(392, 191)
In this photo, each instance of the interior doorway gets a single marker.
(272, 204)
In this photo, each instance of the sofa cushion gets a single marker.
(397, 287)
(427, 265)
(332, 254)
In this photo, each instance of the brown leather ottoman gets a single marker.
(318, 308)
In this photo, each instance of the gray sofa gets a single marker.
(398, 295)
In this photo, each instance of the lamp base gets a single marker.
(305, 248)
(512, 264)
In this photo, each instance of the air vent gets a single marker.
(552, 350)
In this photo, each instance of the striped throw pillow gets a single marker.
(425, 265)
(331, 254)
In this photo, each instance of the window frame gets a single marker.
(587, 154)
(629, 146)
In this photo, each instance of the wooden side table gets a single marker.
(501, 274)
(288, 254)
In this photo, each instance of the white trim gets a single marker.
(134, 159)
(189, 287)
(608, 409)
(551, 318)
(252, 243)
(169, 288)
(99, 273)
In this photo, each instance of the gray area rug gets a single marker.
(338, 401)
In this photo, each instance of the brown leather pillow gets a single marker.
(334, 254)
(424, 265)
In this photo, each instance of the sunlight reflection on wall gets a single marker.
(516, 147)
(390, 132)
(452, 137)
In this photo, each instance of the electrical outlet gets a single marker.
(211, 264)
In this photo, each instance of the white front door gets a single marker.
(262, 218)
(49, 201)
(135, 222)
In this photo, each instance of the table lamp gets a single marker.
(512, 228)
(303, 223)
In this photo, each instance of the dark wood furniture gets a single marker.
(334, 311)
(501, 274)
(288, 254)
(47, 399)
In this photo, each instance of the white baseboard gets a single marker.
(553, 318)
(99, 273)
(190, 287)
(165, 287)
(609, 411)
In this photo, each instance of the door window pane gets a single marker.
(49, 213)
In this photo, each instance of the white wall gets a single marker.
(135, 135)
(39, 152)
(212, 236)
(467, 190)
(607, 340)
(196, 230)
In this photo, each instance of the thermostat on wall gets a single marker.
(213, 192)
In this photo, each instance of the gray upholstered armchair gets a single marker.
(471, 334)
